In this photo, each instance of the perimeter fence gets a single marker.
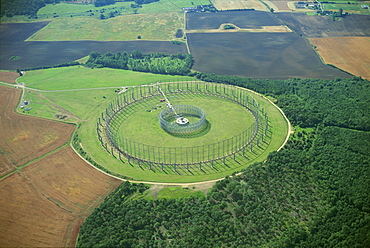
(109, 135)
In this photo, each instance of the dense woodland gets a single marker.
(29, 8)
(313, 193)
(11, 8)
(161, 63)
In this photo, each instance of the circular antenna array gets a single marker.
(175, 119)
(180, 119)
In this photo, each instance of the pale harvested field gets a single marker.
(24, 138)
(279, 5)
(270, 29)
(28, 218)
(238, 4)
(45, 203)
(351, 54)
(66, 179)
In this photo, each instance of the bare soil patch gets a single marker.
(258, 55)
(351, 54)
(24, 138)
(324, 26)
(8, 76)
(241, 19)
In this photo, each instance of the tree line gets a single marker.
(11, 8)
(179, 64)
(309, 102)
(66, 64)
(99, 3)
(312, 193)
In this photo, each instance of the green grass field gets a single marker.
(177, 192)
(353, 8)
(155, 21)
(143, 127)
(87, 106)
(79, 77)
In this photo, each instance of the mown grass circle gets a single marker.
(129, 124)
(175, 119)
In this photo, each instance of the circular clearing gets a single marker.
(241, 128)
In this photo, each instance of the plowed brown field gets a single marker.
(351, 54)
(44, 203)
(24, 138)
(8, 76)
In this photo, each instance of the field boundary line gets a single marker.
(20, 168)
(185, 30)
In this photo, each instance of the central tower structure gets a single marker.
(175, 118)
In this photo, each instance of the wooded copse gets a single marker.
(11, 8)
(179, 64)
(312, 193)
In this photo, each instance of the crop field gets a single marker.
(238, 4)
(64, 178)
(48, 53)
(8, 76)
(24, 138)
(324, 26)
(242, 19)
(351, 54)
(32, 54)
(42, 203)
(278, 5)
(258, 55)
(28, 218)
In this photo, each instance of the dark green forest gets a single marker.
(11, 8)
(159, 63)
(312, 193)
